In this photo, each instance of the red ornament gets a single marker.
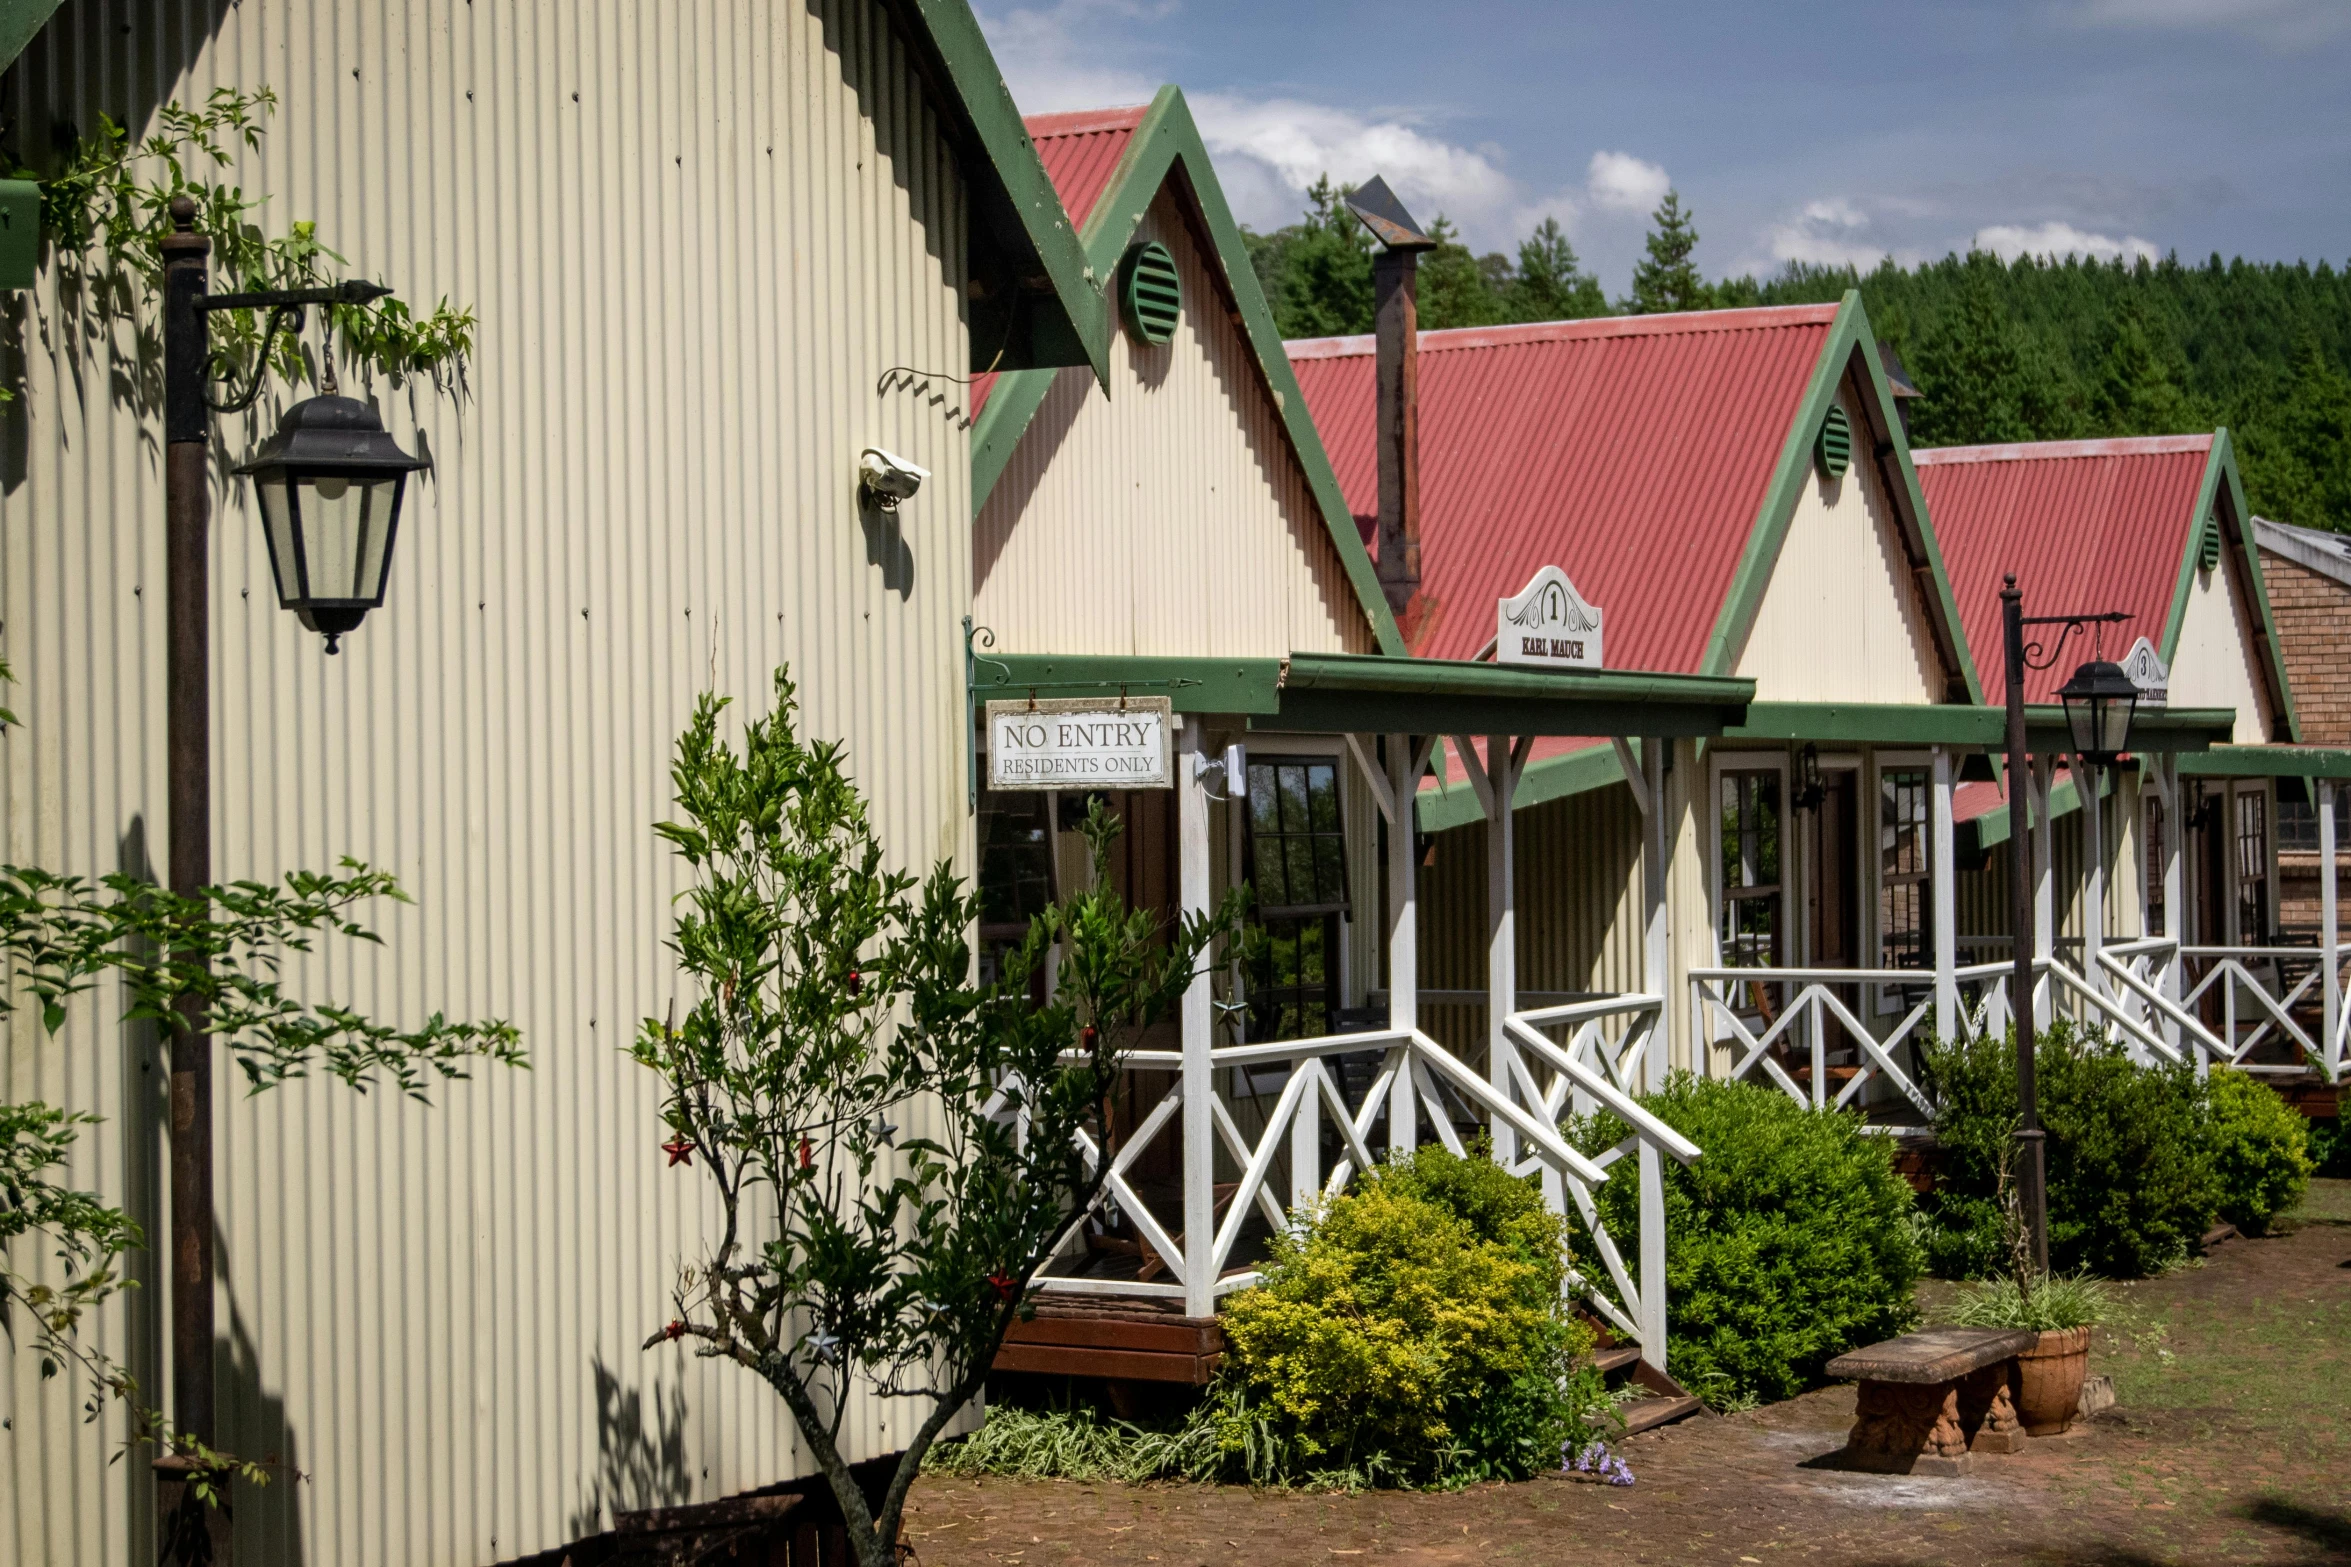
(1087, 1036)
(806, 1147)
(856, 983)
(676, 1330)
(1004, 1285)
(679, 1150)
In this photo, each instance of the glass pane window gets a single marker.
(1750, 918)
(1905, 907)
(1016, 860)
(2297, 827)
(2252, 869)
(1294, 853)
(2152, 828)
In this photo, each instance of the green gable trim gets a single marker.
(20, 20)
(1015, 210)
(2222, 480)
(1872, 723)
(1991, 829)
(2268, 761)
(1850, 341)
(1164, 144)
(1014, 401)
(1553, 778)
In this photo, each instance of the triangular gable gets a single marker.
(2220, 638)
(1165, 167)
(1861, 551)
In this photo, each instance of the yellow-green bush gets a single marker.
(1412, 1332)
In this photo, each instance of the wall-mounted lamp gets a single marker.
(888, 477)
(1230, 772)
(1810, 791)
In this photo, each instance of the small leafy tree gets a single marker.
(895, 1148)
(1666, 278)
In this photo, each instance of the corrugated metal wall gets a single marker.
(2215, 663)
(1171, 517)
(1841, 620)
(696, 234)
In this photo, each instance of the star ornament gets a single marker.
(679, 1150)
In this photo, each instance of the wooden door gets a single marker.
(1833, 876)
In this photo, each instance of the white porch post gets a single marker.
(2175, 888)
(1192, 886)
(1501, 932)
(2040, 786)
(2085, 782)
(1943, 885)
(1403, 932)
(2330, 944)
(1657, 977)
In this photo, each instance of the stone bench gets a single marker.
(1931, 1399)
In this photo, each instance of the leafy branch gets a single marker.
(109, 204)
(836, 1009)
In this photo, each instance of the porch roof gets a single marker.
(1373, 694)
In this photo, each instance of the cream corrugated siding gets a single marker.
(1171, 517)
(689, 280)
(1840, 620)
(2216, 662)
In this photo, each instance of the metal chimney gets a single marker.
(1395, 290)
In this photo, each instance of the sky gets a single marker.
(1831, 131)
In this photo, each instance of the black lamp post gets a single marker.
(330, 484)
(2099, 703)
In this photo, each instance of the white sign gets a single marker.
(1080, 743)
(2145, 667)
(1548, 623)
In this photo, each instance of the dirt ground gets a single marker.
(2230, 1442)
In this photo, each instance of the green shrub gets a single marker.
(2330, 1150)
(2260, 1150)
(1410, 1333)
(1790, 1241)
(2131, 1176)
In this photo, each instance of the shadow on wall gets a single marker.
(146, 1090)
(638, 1464)
(253, 1425)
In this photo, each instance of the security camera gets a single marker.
(888, 477)
(1231, 772)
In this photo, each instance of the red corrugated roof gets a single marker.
(1632, 452)
(2085, 525)
(1080, 151)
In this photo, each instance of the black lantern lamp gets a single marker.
(330, 483)
(1810, 791)
(2099, 702)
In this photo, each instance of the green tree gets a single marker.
(1457, 288)
(1550, 283)
(1666, 278)
(836, 1010)
(2137, 388)
(1316, 273)
(2298, 453)
(1981, 379)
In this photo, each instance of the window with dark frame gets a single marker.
(2297, 827)
(1294, 854)
(1016, 869)
(1905, 903)
(1750, 921)
(2153, 827)
(2252, 868)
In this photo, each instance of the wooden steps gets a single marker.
(1118, 1338)
(1649, 1413)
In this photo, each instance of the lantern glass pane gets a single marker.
(2117, 724)
(2082, 723)
(277, 528)
(346, 525)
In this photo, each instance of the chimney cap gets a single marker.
(1378, 209)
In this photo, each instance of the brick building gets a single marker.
(2309, 577)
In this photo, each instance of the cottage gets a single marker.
(715, 252)
(2309, 579)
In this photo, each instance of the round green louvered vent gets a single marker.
(2208, 544)
(1834, 449)
(1150, 293)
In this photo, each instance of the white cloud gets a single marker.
(2055, 241)
(1066, 55)
(1296, 143)
(2280, 23)
(1620, 182)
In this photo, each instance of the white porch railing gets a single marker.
(1591, 1068)
(2247, 985)
(1815, 1021)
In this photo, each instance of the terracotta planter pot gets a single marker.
(2049, 1381)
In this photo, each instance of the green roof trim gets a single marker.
(1165, 144)
(1873, 723)
(2223, 482)
(2167, 729)
(1553, 778)
(1991, 828)
(1851, 345)
(2268, 761)
(1373, 693)
(20, 22)
(1020, 233)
